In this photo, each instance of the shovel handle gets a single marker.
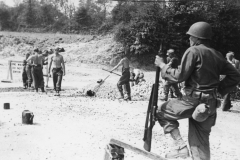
(111, 72)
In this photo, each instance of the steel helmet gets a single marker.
(170, 51)
(201, 30)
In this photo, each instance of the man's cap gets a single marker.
(36, 50)
(59, 49)
(229, 54)
(170, 51)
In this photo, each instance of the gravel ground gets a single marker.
(75, 126)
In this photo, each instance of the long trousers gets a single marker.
(38, 77)
(124, 80)
(57, 78)
(173, 86)
(24, 77)
(226, 104)
(29, 75)
(198, 135)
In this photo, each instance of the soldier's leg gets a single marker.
(128, 91)
(176, 90)
(168, 113)
(55, 77)
(120, 89)
(171, 95)
(35, 78)
(24, 79)
(198, 137)
(166, 88)
(59, 80)
(41, 80)
(226, 104)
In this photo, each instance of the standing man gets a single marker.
(125, 78)
(200, 68)
(173, 62)
(29, 71)
(37, 62)
(226, 104)
(58, 70)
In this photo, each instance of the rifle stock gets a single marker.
(152, 109)
(148, 113)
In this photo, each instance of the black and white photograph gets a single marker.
(120, 79)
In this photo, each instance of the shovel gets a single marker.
(93, 92)
(111, 72)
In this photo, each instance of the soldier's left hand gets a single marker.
(159, 62)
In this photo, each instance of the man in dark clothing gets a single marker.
(173, 61)
(125, 78)
(37, 62)
(200, 68)
(226, 104)
(24, 75)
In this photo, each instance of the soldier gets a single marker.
(37, 62)
(24, 75)
(200, 68)
(58, 70)
(125, 78)
(226, 104)
(173, 62)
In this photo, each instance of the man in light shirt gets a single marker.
(58, 70)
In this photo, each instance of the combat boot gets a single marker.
(42, 89)
(180, 149)
(121, 96)
(128, 98)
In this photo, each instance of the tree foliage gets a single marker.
(150, 24)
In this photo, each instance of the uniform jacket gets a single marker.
(201, 67)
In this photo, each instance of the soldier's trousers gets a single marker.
(198, 135)
(29, 75)
(124, 80)
(226, 104)
(38, 77)
(173, 86)
(24, 77)
(57, 78)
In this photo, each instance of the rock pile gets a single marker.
(140, 92)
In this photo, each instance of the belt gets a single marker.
(204, 95)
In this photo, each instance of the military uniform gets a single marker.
(37, 66)
(200, 68)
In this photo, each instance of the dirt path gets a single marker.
(75, 127)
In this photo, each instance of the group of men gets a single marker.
(200, 70)
(33, 69)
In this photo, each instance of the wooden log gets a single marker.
(27, 117)
(6, 105)
(137, 150)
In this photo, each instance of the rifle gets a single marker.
(152, 108)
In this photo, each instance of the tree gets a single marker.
(82, 17)
(29, 15)
(4, 16)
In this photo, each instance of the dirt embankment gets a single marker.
(79, 48)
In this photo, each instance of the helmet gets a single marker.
(170, 51)
(201, 30)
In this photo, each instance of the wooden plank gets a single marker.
(136, 150)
